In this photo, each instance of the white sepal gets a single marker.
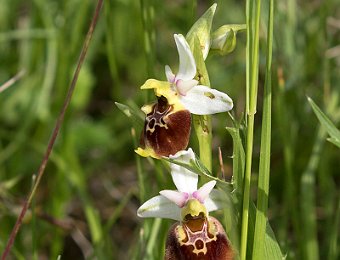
(159, 207)
(202, 100)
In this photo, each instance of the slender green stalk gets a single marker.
(287, 136)
(307, 201)
(252, 76)
(111, 50)
(153, 236)
(147, 20)
(333, 251)
(139, 168)
(264, 169)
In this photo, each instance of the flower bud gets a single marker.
(166, 130)
(223, 40)
(201, 30)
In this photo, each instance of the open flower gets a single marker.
(182, 89)
(168, 122)
(170, 203)
(197, 234)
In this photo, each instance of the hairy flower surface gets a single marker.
(166, 131)
(196, 235)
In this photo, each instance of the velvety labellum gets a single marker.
(201, 238)
(166, 131)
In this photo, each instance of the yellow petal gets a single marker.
(163, 88)
(146, 152)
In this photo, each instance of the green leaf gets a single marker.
(326, 123)
(132, 112)
(238, 158)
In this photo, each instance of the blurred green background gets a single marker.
(86, 204)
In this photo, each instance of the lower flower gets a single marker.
(198, 238)
(196, 235)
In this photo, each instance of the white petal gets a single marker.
(187, 65)
(202, 100)
(179, 198)
(183, 86)
(159, 207)
(185, 180)
(217, 200)
(169, 75)
(202, 193)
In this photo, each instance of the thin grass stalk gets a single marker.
(248, 50)
(333, 252)
(55, 132)
(152, 241)
(139, 168)
(147, 21)
(253, 76)
(290, 186)
(264, 168)
(308, 223)
(111, 50)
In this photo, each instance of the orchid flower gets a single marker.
(168, 122)
(169, 203)
(197, 233)
(182, 89)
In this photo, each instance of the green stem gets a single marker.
(202, 126)
(111, 50)
(147, 20)
(252, 76)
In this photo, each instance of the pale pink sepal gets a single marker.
(202, 193)
(184, 86)
(179, 198)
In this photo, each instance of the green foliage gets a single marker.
(85, 207)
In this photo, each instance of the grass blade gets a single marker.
(326, 123)
(264, 169)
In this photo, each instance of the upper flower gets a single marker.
(187, 199)
(182, 89)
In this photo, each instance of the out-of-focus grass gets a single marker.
(86, 204)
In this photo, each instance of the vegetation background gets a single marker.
(86, 204)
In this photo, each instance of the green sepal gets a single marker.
(132, 112)
(201, 29)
